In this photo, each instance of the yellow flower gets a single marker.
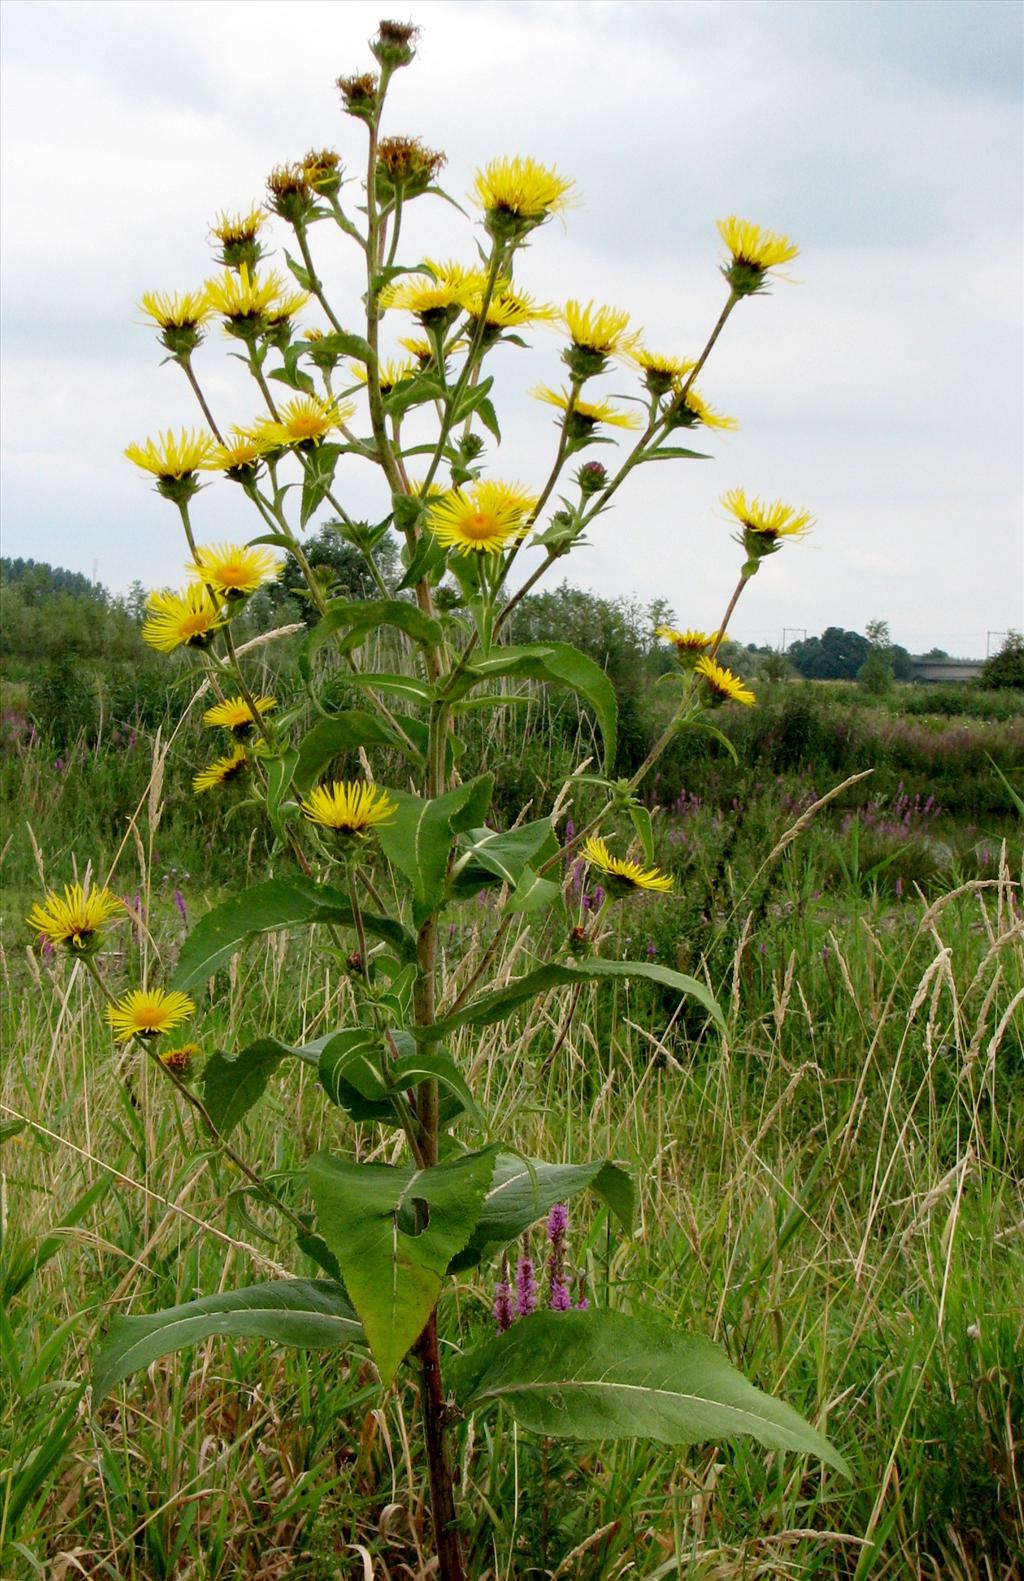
(694, 410)
(348, 806)
(624, 875)
(243, 294)
(437, 297)
(600, 329)
(510, 309)
(234, 714)
(661, 374)
(587, 414)
(419, 348)
(390, 372)
(305, 421)
(239, 459)
(483, 517)
(228, 228)
(181, 620)
(188, 310)
(754, 251)
(689, 641)
(233, 571)
(180, 1059)
(768, 522)
(220, 772)
(148, 1012)
(520, 190)
(77, 918)
(171, 458)
(725, 687)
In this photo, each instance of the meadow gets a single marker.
(833, 1191)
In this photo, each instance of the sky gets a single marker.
(879, 385)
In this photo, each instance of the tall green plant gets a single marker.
(390, 1238)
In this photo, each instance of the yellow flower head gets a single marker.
(724, 686)
(184, 310)
(234, 714)
(171, 457)
(689, 641)
(661, 374)
(517, 194)
(510, 309)
(585, 415)
(179, 1060)
(348, 806)
(753, 252)
(766, 522)
(694, 410)
(231, 228)
(435, 297)
(419, 348)
(146, 1013)
(239, 459)
(600, 329)
(251, 304)
(220, 772)
(181, 620)
(305, 421)
(482, 517)
(233, 571)
(621, 874)
(75, 920)
(390, 372)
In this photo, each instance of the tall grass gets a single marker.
(834, 1192)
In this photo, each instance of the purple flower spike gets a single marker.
(560, 1300)
(526, 1288)
(503, 1313)
(179, 901)
(583, 1305)
(558, 1222)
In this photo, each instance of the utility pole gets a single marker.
(797, 630)
(988, 640)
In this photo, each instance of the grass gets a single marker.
(834, 1192)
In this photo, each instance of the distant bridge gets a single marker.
(949, 670)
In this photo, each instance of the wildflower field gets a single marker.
(496, 1084)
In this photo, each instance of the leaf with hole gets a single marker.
(522, 1190)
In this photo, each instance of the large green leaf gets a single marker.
(487, 856)
(523, 1190)
(417, 839)
(233, 1083)
(502, 1002)
(268, 908)
(308, 1313)
(318, 468)
(602, 1374)
(351, 621)
(392, 1263)
(342, 732)
(560, 665)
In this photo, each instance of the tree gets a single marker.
(836, 655)
(876, 673)
(1006, 668)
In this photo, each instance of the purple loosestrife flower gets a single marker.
(559, 1299)
(179, 901)
(526, 1287)
(503, 1313)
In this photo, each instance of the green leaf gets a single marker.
(603, 1374)
(352, 621)
(307, 1313)
(440, 1067)
(428, 560)
(24, 1260)
(533, 893)
(487, 856)
(560, 665)
(318, 475)
(233, 1083)
(300, 272)
(715, 733)
(368, 1216)
(417, 838)
(523, 1190)
(280, 771)
(269, 908)
(497, 1005)
(340, 343)
(404, 686)
(294, 378)
(350, 1071)
(642, 824)
(344, 732)
(674, 453)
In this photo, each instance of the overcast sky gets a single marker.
(881, 386)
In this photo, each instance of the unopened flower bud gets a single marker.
(591, 477)
(322, 170)
(360, 95)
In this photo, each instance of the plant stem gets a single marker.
(442, 1482)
